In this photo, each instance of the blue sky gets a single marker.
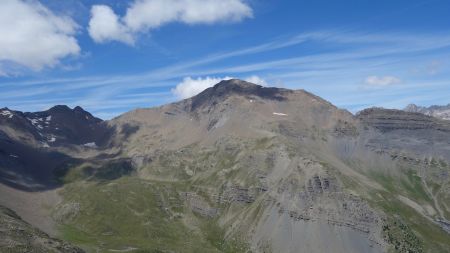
(112, 56)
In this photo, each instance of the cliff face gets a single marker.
(414, 133)
(388, 120)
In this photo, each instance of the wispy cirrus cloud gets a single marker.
(381, 81)
(335, 71)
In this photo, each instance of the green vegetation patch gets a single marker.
(429, 235)
(216, 236)
(401, 237)
(413, 232)
(130, 214)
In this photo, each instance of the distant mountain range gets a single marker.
(236, 168)
(442, 112)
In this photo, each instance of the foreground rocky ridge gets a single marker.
(242, 168)
(18, 236)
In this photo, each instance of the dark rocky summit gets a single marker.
(226, 88)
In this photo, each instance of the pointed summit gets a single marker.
(79, 109)
(227, 88)
(59, 109)
(65, 111)
(438, 111)
(240, 87)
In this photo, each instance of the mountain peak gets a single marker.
(64, 109)
(438, 111)
(78, 109)
(411, 108)
(237, 83)
(227, 88)
(60, 108)
(237, 86)
(244, 88)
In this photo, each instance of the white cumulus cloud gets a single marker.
(192, 86)
(381, 81)
(256, 80)
(105, 26)
(144, 15)
(34, 37)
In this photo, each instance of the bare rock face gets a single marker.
(388, 120)
(199, 205)
(311, 205)
(66, 212)
(399, 131)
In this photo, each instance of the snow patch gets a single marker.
(445, 114)
(6, 113)
(280, 114)
(45, 145)
(36, 123)
(15, 156)
(52, 139)
(90, 145)
(48, 119)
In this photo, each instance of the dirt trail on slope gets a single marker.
(430, 192)
(433, 197)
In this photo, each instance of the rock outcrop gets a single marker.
(390, 119)
(18, 236)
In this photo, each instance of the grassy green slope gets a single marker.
(135, 215)
(405, 228)
(148, 215)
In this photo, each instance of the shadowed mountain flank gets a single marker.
(30, 169)
(36, 148)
